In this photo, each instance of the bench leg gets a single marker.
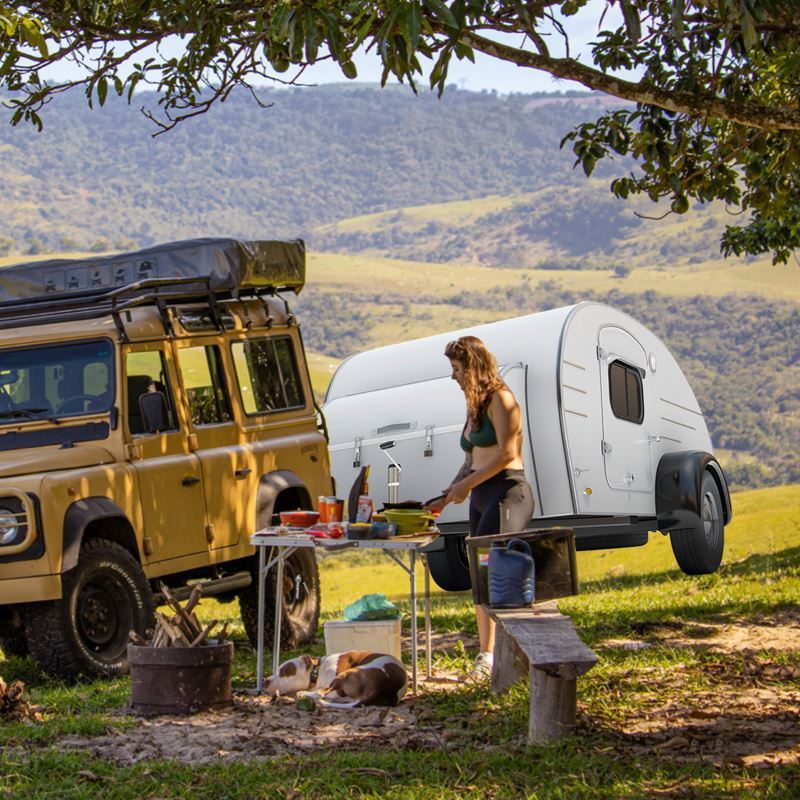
(553, 706)
(510, 663)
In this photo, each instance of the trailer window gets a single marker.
(625, 392)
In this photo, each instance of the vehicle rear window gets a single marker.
(266, 370)
(625, 390)
(205, 389)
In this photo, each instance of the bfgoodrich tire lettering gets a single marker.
(301, 601)
(698, 551)
(86, 632)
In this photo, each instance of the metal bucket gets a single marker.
(180, 680)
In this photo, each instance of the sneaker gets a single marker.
(482, 668)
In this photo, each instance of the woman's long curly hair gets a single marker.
(481, 378)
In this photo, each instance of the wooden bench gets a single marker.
(541, 643)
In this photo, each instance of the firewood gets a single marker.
(181, 619)
(135, 638)
(201, 637)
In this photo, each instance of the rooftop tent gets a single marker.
(224, 265)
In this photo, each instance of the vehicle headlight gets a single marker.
(9, 526)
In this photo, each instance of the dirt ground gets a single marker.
(750, 716)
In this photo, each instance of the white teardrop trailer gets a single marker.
(615, 444)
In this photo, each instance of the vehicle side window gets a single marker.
(625, 391)
(147, 372)
(266, 370)
(201, 371)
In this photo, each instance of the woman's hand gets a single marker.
(457, 492)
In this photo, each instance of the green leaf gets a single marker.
(632, 22)
(441, 10)
(413, 24)
(349, 70)
(102, 90)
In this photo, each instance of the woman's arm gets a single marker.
(505, 416)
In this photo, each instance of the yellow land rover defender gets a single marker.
(155, 410)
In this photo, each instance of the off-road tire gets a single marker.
(301, 601)
(450, 567)
(698, 551)
(86, 632)
(15, 644)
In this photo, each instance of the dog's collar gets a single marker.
(314, 674)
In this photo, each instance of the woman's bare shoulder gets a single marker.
(503, 400)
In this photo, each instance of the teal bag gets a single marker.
(371, 606)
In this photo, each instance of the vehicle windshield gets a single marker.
(60, 380)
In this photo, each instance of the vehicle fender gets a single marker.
(678, 481)
(271, 485)
(80, 515)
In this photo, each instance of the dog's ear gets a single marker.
(309, 661)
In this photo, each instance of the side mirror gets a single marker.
(155, 414)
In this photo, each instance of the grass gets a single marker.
(612, 756)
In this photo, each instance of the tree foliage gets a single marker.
(715, 83)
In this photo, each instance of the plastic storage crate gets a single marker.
(378, 636)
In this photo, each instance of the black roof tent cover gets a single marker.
(229, 265)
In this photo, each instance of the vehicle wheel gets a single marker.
(450, 567)
(301, 601)
(698, 551)
(86, 632)
(15, 644)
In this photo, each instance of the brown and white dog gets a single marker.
(343, 680)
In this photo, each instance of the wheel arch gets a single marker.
(89, 517)
(678, 495)
(281, 490)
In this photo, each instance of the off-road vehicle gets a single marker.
(155, 410)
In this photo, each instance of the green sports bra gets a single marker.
(483, 436)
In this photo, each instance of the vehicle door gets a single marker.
(168, 473)
(227, 475)
(625, 444)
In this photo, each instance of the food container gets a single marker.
(359, 530)
(331, 509)
(408, 520)
(299, 519)
(383, 530)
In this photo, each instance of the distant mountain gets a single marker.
(315, 156)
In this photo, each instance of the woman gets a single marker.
(501, 499)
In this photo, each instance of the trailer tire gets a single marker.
(698, 550)
(103, 598)
(301, 601)
(450, 567)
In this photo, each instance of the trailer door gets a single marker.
(625, 444)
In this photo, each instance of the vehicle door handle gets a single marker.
(243, 472)
(190, 480)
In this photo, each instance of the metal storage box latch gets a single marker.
(357, 453)
(428, 441)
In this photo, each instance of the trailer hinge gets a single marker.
(605, 447)
(601, 354)
(357, 452)
(428, 452)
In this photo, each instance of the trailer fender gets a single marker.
(678, 480)
(81, 514)
(277, 483)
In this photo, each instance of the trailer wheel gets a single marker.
(301, 601)
(450, 567)
(698, 551)
(86, 632)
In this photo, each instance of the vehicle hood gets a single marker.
(51, 460)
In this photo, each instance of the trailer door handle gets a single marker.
(190, 480)
(243, 472)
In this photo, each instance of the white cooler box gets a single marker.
(378, 635)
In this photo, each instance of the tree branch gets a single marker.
(694, 105)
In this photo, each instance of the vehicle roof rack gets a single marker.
(194, 270)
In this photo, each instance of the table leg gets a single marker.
(413, 592)
(427, 619)
(276, 635)
(262, 561)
